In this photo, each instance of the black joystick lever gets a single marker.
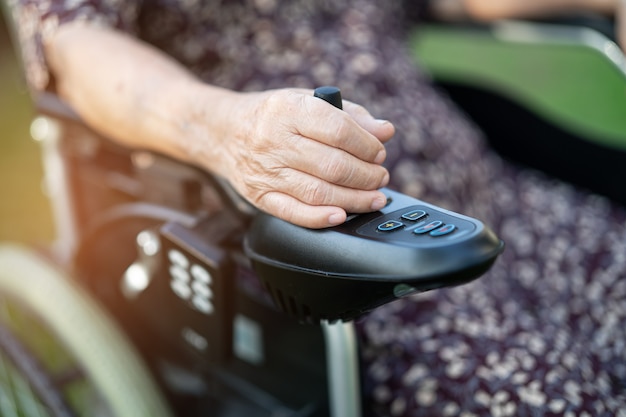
(330, 94)
(342, 272)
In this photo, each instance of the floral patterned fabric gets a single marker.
(544, 332)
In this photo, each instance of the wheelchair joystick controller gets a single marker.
(342, 272)
(330, 94)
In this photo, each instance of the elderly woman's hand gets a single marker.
(287, 152)
(297, 157)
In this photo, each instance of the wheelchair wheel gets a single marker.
(60, 354)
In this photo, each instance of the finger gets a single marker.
(331, 126)
(383, 130)
(313, 191)
(290, 209)
(331, 164)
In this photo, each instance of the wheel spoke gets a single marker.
(38, 380)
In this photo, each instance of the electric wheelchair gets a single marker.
(166, 294)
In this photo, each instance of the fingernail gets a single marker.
(336, 218)
(379, 203)
(380, 157)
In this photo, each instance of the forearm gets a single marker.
(132, 92)
(287, 152)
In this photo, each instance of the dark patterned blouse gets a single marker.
(542, 334)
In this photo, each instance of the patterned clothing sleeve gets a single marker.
(37, 20)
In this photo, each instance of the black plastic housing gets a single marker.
(342, 272)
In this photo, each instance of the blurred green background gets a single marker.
(24, 210)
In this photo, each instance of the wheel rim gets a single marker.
(38, 375)
(106, 369)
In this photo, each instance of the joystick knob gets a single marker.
(329, 94)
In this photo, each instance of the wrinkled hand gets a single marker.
(290, 154)
(299, 158)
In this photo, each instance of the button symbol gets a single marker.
(414, 215)
(448, 228)
(428, 227)
(390, 225)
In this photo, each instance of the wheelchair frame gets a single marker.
(68, 147)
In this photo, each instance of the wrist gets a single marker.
(206, 117)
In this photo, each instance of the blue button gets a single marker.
(390, 225)
(448, 228)
(428, 227)
(414, 215)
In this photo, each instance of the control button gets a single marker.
(201, 274)
(414, 215)
(428, 227)
(390, 225)
(202, 289)
(448, 228)
(179, 274)
(177, 258)
(202, 304)
(181, 289)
